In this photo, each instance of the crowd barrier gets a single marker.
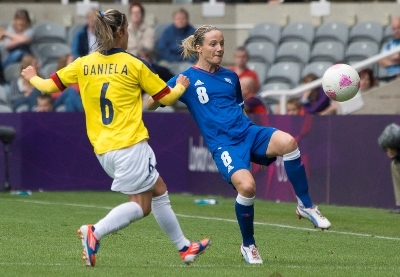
(343, 160)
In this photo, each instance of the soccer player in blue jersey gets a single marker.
(111, 82)
(215, 101)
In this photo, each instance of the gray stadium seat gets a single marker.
(368, 30)
(293, 51)
(178, 67)
(265, 31)
(333, 31)
(303, 31)
(261, 51)
(261, 69)
(361, 50)
(159, 29)
(284, 72)
(12, 72)
(387, 34)
(317, 68)
(331, 51)
(48, 69)
(48, 52)
(5, 109)
(49, 32)
(3, 96)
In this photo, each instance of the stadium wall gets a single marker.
(341, 155)
(237, 21)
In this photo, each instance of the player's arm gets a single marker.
(44, 85)
(151, 104)
(168, 96)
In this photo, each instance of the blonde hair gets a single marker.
(189, 44)
(106, 24)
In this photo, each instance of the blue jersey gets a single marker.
(216, 104)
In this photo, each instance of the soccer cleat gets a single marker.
(250, 254)
(90, 244)
(194, 250)
(314, 215)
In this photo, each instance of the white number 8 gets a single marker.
(226, 159)
(202, 95)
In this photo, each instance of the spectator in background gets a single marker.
(315, 100)
(168, 46)
(392, 63)
(241, 57)
(367, 80)
(85, 41)
(21, 91)
(389, 141)
(44, 103)
(140, 35)
(69, 97)
(253, 104)
(294, 107)
(16, 38)
(162, 72)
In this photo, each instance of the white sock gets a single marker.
(118, 218)
(167, 220)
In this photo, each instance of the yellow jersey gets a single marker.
(111, 86)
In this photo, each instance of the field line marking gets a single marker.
(218, 219)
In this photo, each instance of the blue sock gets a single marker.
(244, 209)
(297, 176)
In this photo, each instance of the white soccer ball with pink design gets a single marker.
(341, 82)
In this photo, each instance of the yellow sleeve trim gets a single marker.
(173, 95)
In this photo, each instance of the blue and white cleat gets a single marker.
(314, 215)
(90, 244)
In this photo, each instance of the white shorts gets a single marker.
(133, 169)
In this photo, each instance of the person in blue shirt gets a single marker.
(214, 99)
(168, 46)
(392, 63)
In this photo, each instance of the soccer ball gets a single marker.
(341, 82)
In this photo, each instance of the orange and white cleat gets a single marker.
(195, 249)
(90, 244)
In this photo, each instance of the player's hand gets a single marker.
(183, 80)
(28, 73)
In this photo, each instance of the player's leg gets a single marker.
(134, 174)
(244, 207)
(168, 222)
(234, 165)
(283, 144)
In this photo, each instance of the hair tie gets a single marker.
(101, 14)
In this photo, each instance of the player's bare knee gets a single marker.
(247, 189)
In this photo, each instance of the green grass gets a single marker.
(38, 238)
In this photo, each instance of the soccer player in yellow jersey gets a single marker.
(111, 81)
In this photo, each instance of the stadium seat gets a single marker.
(3, 96)
(48, 69)
(48, 52)
(159, 29)
(329, 51)
(261, 68)
(5, 109)
(273, 100)
(261, 51)
(178, 67)
(22, 108)
(303, 31)
(12, 72)
(387, 34)
(332, 31)
(360, 50)
(368, 30)
(265, 31)
(284, 72)
(72, 31)
(49, 32)
(317, 68)
(293, 51)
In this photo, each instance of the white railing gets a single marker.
(284, 94)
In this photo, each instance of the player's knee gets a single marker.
(247, 189)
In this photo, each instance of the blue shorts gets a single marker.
(231, 158)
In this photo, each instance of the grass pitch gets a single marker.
(38, 238)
